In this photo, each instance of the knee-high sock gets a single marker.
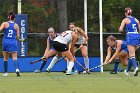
(5, 64)
(134, 62)
(116, 64)
(86, 62)
(129, 65)
(16, 64)
(71, 64)
(54, 60)
(43, 63)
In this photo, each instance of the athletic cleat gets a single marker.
(18, 73)
(5, 74)
(136, 71)
(48, 70)
(69, 73)
(37, 71)
(113, 72)
(127, 73)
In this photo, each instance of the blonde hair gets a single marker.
(112, 38)
(51, 29)
(77, 30)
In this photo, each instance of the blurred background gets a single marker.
(43, 14)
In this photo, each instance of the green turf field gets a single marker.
(57, 82)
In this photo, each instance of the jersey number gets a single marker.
(134, 27)
(64, 34)
(10, 33)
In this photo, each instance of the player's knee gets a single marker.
(84, 55)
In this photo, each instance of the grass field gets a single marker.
(58, 82)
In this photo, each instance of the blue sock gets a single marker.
(116, 66)
(120, 70)
(134, 62)
(5, 64)
(16, 64)
(129, 65)
(43, 63)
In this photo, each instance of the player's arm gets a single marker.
(2, 26)
(47, 48)
(74, 40)
(17, 30)
(122, 26)
(108, 55)
(138, 24)
(84, 35)
(118, 48)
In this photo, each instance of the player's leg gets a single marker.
(43, 63)
(116, 64)
(117, 61)
(16, 63)
(52, 63)
(132, 50)
(49, 54)
(127, 71)
(70, 57)
(5, 63)
(85, 55)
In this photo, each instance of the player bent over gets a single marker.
(61, 45)
(120, 55)
(49, 47)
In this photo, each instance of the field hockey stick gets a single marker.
(22, 40)
(82, 67)
(96, 67)
(35, 61)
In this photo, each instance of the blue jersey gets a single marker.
(9, 42)
(10, 32)
(51, 41)
(123, 47)
(133, 36)
(132, 27)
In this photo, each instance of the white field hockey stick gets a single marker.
(22, 40)
(96, 67)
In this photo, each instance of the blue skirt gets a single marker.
(133, 39)
(9, 45)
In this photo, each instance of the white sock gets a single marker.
(67, 63)
(54, 60)
(86, 62)
(17, 70)
(71, 64)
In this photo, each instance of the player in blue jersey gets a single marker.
(119, 47)
(49, 47)
(9, 42)
(132, 26)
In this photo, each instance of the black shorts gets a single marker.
(78, 45)
(60, 47)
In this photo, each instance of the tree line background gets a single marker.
(58, 13)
